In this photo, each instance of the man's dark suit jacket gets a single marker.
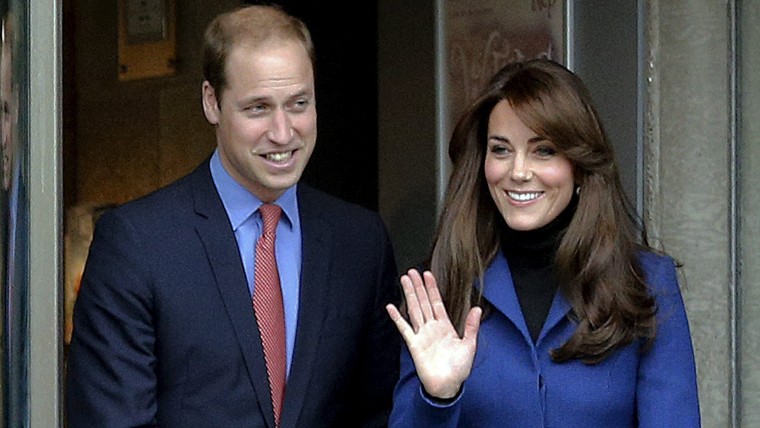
(165, 334)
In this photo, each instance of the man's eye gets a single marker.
(300, 104)
(256, 108)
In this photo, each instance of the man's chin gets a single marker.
(272, 187)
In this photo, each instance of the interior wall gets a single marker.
(124, 139)
(408, 150)
(609, 66)
(132, 137)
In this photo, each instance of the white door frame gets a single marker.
(45, 150)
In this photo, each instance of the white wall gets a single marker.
(749, 212)
(688, 189)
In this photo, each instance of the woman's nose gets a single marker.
(521, 170)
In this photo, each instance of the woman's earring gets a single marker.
(578, 190)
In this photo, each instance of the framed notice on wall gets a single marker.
(481, 36)
(147, 39)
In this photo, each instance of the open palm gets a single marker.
(443, 360)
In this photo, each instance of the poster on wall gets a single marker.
(481, 36)
(14, 225)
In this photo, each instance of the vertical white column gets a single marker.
(748, 156)
(688, 187)
(45, 294)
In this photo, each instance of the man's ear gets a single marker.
(210, 103)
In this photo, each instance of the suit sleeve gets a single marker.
(380, 363)
(111, 378)
(667, 382)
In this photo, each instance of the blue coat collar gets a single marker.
(499, 291)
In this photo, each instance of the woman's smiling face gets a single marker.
(530, 182)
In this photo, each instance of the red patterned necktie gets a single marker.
(267, 304)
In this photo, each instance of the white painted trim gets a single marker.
(45, 292)
(442, 113)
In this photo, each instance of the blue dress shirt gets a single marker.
(243, 211)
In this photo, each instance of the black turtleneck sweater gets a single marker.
(530, 255)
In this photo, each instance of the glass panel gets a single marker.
(14, 218)
(749, 209)
(482, 36)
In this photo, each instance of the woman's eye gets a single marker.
(545, 151)
(499, 150)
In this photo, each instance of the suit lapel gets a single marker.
(215, 232)
(316, 232)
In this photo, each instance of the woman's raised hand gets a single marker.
(443, 359)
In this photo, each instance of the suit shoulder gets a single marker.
(161, 204)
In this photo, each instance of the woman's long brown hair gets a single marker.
(597, 260)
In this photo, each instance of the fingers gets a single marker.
(413, 309)
(417, 302)
(421, 290)
(423, 299)
(472, 325)
(434, 296)
(403, 327)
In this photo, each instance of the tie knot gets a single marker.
(270, 214)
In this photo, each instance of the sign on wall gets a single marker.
(481, 36)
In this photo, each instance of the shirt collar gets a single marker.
(240, 204)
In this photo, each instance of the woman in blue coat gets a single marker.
(543, 305)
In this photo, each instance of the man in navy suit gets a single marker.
(165, 333)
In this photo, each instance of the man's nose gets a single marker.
(280, 128)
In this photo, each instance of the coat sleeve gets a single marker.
(111, 379)
(411, 408)
(666, 394)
